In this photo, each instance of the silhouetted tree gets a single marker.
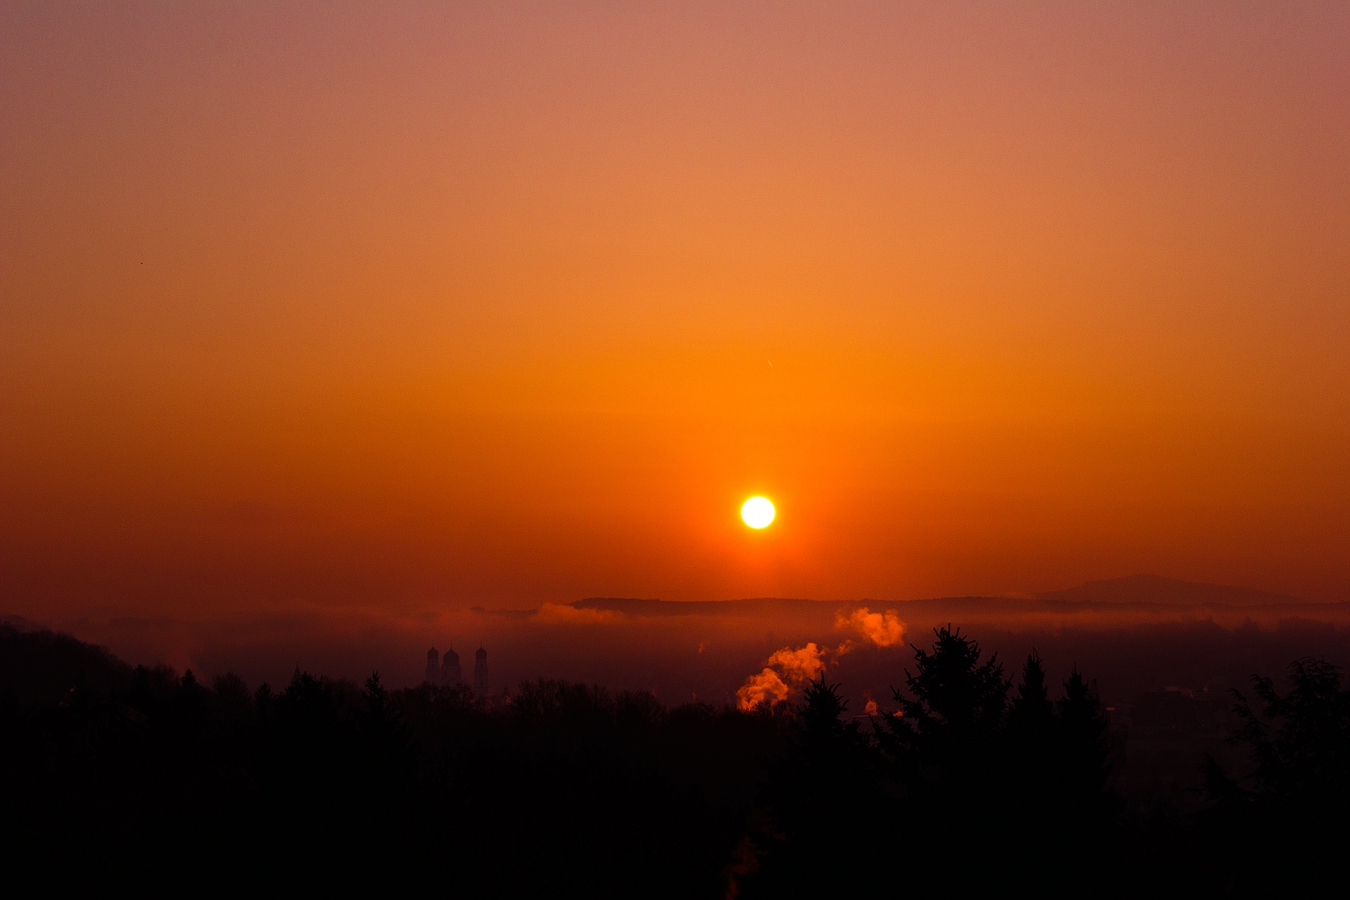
(1080, 804)
(1288, 823)
(1085, 754)
(947, 751)
(1033, 771)
(1031, 710)
(823, 801)
(954, 694)
(1307, 760)
(948, 729)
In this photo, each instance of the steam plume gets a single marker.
(798, 666)
(883, 629)
(766, 687)
(784, 670)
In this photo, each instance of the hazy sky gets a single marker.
(404, 306)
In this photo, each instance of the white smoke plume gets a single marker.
(798, 666)
(883, 629)
(784, 670)
(766, 687)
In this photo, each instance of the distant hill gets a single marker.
(783, 606)
(633, 606)
(19, 623)
(1160, 591)
(43, 666)
(1132, 590)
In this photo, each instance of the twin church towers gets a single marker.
(445, 670)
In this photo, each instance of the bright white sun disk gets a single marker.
(757, 512)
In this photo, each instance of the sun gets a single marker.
(757, 512)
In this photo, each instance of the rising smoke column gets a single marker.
(882, 629)
(784, 670)
(788, 669)
(766, 687)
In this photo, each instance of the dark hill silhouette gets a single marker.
(632, 606)
(1132, 590)
(769, 606)
(44, 666)
(1157, 590)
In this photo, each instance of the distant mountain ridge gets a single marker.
(1160, 591)
(1131, 590)
(634, 606)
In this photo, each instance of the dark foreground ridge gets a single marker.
(971, 782)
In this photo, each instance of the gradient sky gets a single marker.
(413, 306)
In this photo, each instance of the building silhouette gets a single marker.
(480, 673)
(451, 674)
(433, 669)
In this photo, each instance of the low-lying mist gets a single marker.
(749, 652)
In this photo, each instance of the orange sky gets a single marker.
(442, 305)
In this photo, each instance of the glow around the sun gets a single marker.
(757, 512)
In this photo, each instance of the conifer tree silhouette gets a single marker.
(946, 752)
(821, 796)
(1307, 760)
(949, 722)
(1085, 753)
(1031, 709)
(1280, 823)
(1033, 769)
(1080, 804)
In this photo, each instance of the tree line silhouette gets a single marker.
(973, 781)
